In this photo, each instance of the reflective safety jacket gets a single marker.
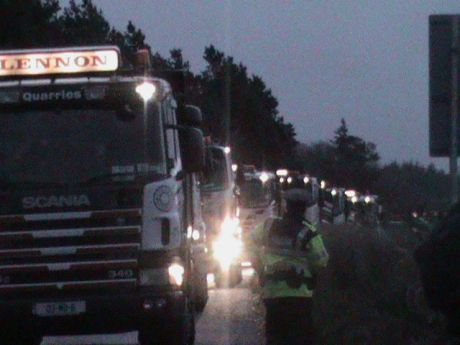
(287, 264)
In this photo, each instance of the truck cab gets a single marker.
(368, 209)
(218, 187)
(333, 206)
(219, 211)
(96, 212)
(256, 199)
(351, 205)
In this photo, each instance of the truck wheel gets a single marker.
(235, 275)
(187, 336)
(201, 294)
(180, 331)
(200, 304)
(220, 279)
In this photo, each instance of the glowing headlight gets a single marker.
(350, 193)
(228, 246)
(146, 90)
(264, 177)
(229, 227)
(334, 192)
(234, 167)
(176, 274)
(282, 173)
(289, 180)
(306, 180)
(196, 235)
(354, 199)
(227, 150)
(323, 184)
(367, 199)
(281, 179)
(226, 250)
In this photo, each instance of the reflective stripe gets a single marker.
(281, 289)
(310, 226)
(310, 282)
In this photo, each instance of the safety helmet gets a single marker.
(296, 195)
(296, 201)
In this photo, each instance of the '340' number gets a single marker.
(120, 274)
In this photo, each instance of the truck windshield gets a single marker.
(75, 146)
(215, 177)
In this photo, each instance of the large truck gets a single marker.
(257, 200)
(368, 209)
(96, 164)
(289, 179)
(333, 205)
(312, 185)
(351, 205)
(220, 214)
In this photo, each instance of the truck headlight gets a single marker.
(196, 235)
(227, 250)
(176, 274)
(227, 247)
(229, 227)
(146, 90)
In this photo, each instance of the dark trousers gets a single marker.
(288, 321)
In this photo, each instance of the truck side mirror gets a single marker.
(189, 115)
(192, 149)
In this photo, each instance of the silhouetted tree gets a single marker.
(346, 161)
(259, 134)
(409, 186)
(231, 99)
(29, 23)
(355, 162)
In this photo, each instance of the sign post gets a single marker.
(454, 111)
(444, 87)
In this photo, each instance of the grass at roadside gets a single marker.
(361, 297)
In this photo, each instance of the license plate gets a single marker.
(59, 308)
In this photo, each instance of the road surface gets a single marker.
(232, 317)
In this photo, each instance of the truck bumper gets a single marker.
(103, 314)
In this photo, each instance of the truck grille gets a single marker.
(69, 251)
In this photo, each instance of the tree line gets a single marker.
(351, 162)
(238, 107)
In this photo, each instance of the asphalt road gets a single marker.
(232, 317)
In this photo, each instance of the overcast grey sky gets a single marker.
(366, 61)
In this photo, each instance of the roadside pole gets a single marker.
(454, 110)
(227, 104)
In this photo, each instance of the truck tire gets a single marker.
(220, 279)
(201, 293)
(235, 275)
(180, 331)
(229, 279)
(187, 324)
